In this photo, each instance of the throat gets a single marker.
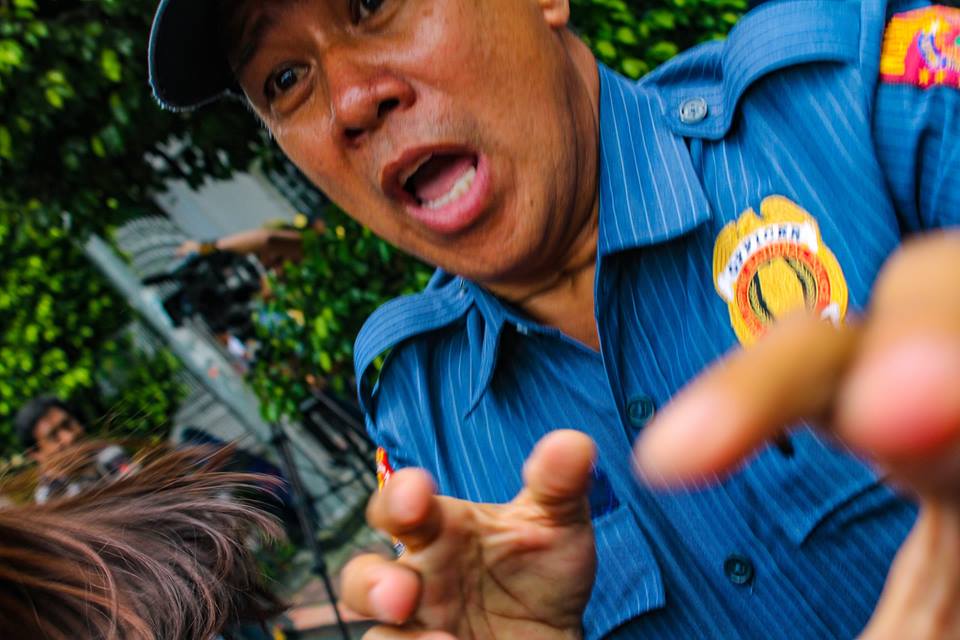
(568, 306)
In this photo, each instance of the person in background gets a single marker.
(272, 246)
(46, 427)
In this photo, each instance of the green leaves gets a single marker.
(633, 40)
(110, 64)
(61, 332)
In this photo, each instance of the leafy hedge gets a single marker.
(83, 147)
(61, 332)
(317, 308)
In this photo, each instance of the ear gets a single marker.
(556, 12)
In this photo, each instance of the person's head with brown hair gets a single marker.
(161, 553)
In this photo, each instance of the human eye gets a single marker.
(362, 9)
(283, 80)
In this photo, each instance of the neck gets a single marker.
(565, 299)
(561, 295)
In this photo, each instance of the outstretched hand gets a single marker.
(888, 387)
(523, 569)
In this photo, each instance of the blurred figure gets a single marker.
(46, 426)
(272, 246)
(161, 553)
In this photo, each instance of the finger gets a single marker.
(747, 398)
(392, 633)
(902, 400)
(557, 475)
(408, 509)
(380, 588)
(919, 599)
(903, 397)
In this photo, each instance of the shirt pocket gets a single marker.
(628, 581)
(811, 484)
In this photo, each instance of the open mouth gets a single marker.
(445, 189)
(440, 178)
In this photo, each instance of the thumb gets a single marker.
(557, 475)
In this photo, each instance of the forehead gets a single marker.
(241, 24)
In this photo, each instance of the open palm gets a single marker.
(519, 570)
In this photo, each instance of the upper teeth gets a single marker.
(412, 169)
(460, 187)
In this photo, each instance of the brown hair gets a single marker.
(160, 553)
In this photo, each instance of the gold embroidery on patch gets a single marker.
(766, 266)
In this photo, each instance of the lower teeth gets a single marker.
(461, 186)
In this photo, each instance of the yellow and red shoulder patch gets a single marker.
(922, 48)
(384, 470)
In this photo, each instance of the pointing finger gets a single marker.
(746, 399)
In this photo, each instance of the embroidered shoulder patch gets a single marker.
(766, 266)
(384, 470)
(922, 48)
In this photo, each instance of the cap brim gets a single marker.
(187, 67)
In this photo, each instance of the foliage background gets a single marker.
(82, 148)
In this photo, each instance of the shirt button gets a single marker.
(522, 329)
(640, 410)
(693, 110)
(738, 569)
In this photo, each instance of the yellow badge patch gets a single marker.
(766, 266)
(922, 48)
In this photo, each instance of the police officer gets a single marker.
(603, 243)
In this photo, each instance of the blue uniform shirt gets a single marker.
(740, 180)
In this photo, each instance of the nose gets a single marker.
(364, 97)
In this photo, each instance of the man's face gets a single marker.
(55, 431)
(460, 130)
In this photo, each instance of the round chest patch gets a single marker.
(766, 266)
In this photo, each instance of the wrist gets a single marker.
(208, 247)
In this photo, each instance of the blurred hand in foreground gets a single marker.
(888, 387)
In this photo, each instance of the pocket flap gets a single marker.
(628, 580)
(801, 490)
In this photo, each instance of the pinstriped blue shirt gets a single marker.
(740, 180)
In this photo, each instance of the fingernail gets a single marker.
(379, 601)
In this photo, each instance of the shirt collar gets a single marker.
(649, 191)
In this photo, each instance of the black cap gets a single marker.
(187, 66)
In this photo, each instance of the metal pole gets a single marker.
(303, 505)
